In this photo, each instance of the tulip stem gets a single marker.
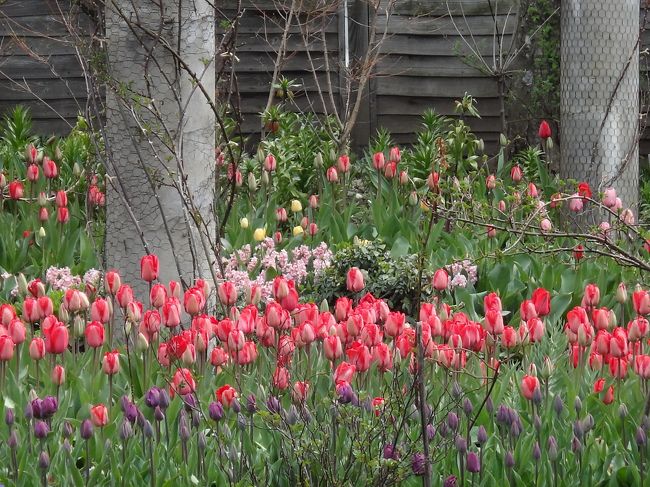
(87, 462)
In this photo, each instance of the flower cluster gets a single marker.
(248, 267)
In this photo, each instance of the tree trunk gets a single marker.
(150, 90)
(600, 94)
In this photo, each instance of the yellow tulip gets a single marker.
(297, 231)
(259, 234)
(243, 223)
(296, 206)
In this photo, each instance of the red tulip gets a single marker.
(433, 181)
(281, 378)
(440, 280)
(227, 293)
(32, 173)
(529, 384)
(344, 373)
(111, 362)
(99, 415)
(390, 170)
(182, 383)
(100, 311)
(7, 314)
(62, 215)
(332, 175)
(394, 324)
(6, 348)
(247, 355)
(542, 300)
(491, 182)
(31, 311)
(226, 395)
(591, 296)
(113, 282)
(332, 347)
(359, 356)
(354, 280)
(344, 163)
(642, 366)
(218, 357)
(578, 252)
(58, 375)
(56, 341)
(509, 337)
(171, 313)
(617, 367)
(61, 199)
(603, 339)
(16, 190)
(270, 163)
(194, 301)
(299, 392)
(516, 174)
(124, 295)
(49, 168)
(43, 215)
(584, 190)
(492, 301)
(37, 348)
(17, 331)
(149, 267)
(599, 385)
(544, 130)
(641, 301)
(493, 322)
(395, 155)
(618, 344)
(378, 161)
(382, 355)
(94, 334)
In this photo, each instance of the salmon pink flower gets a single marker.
(591, 296)
(354, 280)
(113, 282)
(171, 313)
(281, 378)
(535, 329)
(16, 190)
(642, 366)
(332, 175)
(226, 395)
(94, 334)
(394, 323)
(378, 161)
(529, 384)
(149, 267)
(227, 293)
(6, 348)
(344, 163)
(541, 298)
(440, 280)
(608, 397)
(99, 415)
(299, 392)
(158, 295)
(270, 163)
(344, 373)
(49, 168)
(618, 347)
(516, 174)
(382, 356)
(111, 362)
(641, 301)
(182, 383)
(56, 341)
(218, 357)
(17, 332)
(58, 375)
(37, 348)
(509, 337)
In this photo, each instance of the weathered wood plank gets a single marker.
(260, 83)
(67, 108)
(438, 66)
(412, 105)
(398, 124)
(25, 8)
(455, 7)
(306, 6)
(440, 45)
(426, 25)
(253, 22)
(40, 45)
(19, 67)
(53, 127)
(297, 61)
(254, 103)
(47, 89)
(41, 25)
(294, 43)
(436, 87)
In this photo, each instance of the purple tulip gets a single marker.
(537, 453)
(418, 463)
(509, 460)
(473, 463)
(215, 411)
(44, 460)
(152, 398)
(390, 453)
(452, 421)
(10, 417)
(41, 429)
(86, 429)
(450, 481)
(251, 404)
(481, 435)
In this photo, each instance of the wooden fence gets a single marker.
(423, 62)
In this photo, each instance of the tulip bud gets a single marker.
(265, 178)
(252, 182)
(318, 160)
(243, 223)
(44, 460)
(621, 293)
(12, 442)
(577, 405)
(141, 343)
(22, 283)
(259, 234)
(503, 140)
(640, 437)
(86, 429)
(76, 169)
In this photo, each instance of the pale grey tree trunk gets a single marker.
(600, 94)
(180, 135)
